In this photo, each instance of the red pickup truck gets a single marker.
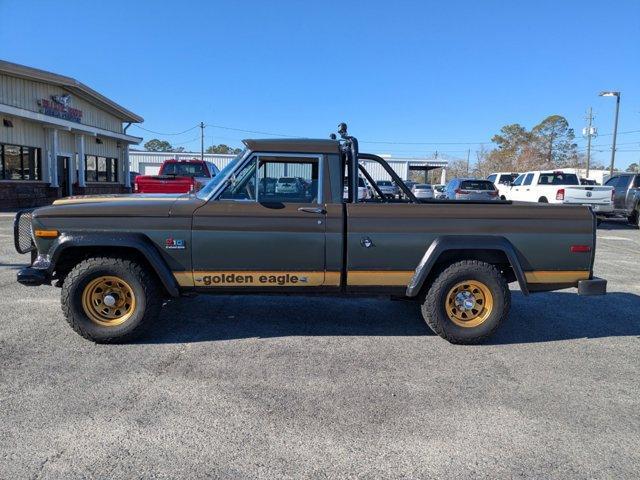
(177, 176)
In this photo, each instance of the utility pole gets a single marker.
(468, 154)
(589, 132)
(202, 141)
(615, 127)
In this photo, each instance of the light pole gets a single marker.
(615, 127)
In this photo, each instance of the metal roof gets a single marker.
(71, 84)
(294, 145)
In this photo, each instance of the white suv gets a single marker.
(502, 181)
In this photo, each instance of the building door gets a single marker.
(63, 176)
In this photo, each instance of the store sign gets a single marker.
(59, 106)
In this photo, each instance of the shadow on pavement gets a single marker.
(542, 317)
(616, 224)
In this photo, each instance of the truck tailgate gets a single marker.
(587, 194)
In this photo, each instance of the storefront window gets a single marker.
(19, 163)
(101, 169)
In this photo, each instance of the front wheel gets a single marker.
(467, 302)
(109, 300)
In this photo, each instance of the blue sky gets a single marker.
(450, 72)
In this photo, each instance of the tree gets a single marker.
(155, 145)
(633, 168)
(222, 148)
(555, 141)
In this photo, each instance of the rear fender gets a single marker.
(464, 242)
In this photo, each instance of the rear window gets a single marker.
(558, 178)
(384, 183)
(477, 185)
(184, 169)
(422, 186)
(286, 180)
(506, 179)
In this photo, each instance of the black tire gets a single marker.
(634, 218)
(435, 301)
(543, 200)
(146, 292)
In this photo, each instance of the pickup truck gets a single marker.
(118, 257)
(177, 176)
(626, 199)
(562, 188)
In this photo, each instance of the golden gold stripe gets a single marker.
(133, 198)
(261, 278)
(379, 277)
(556, 276)
(184, 279)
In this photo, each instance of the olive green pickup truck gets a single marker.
(275, 219)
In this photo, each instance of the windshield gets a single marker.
(215, 181)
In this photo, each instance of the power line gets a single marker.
(161, 133)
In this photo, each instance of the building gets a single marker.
(148, 163)
(59, 137)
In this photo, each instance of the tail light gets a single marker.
(493, 193)
(580, 248)
(463, 192)
(191, 188)
(135, 187)
(560, 194)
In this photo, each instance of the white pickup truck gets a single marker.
(560, 187)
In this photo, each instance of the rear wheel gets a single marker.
(467, 302)
(109, 300)
(543, 200)
(634, 218)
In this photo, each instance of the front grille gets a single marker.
(22, 236)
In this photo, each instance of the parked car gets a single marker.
(117, 259)
(388, 188)
(471, 189)
(422, 190)
(626, 197)
(290, 185)
(177, 176)
(502, 181)
(560, 187)
(364, 192)
(439, 191)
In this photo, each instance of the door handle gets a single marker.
(317, 210)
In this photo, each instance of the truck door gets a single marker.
(266, 229)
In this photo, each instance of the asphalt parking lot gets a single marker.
(314, 387)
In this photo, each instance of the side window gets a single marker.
(243, 185)
(518, 181)
(612, 182)
(288, 179)
(636, 182)
(528, 179)
(623, 182)
(492, 178)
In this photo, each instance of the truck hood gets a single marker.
(143, 205)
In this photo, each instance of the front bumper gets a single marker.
(32, 277)
(593, 286)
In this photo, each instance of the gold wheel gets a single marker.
(469, 303)
(108, 301)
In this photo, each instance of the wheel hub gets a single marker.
(108, 301)
(469, 304)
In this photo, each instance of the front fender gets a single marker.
(136, 241)
(464, 242)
